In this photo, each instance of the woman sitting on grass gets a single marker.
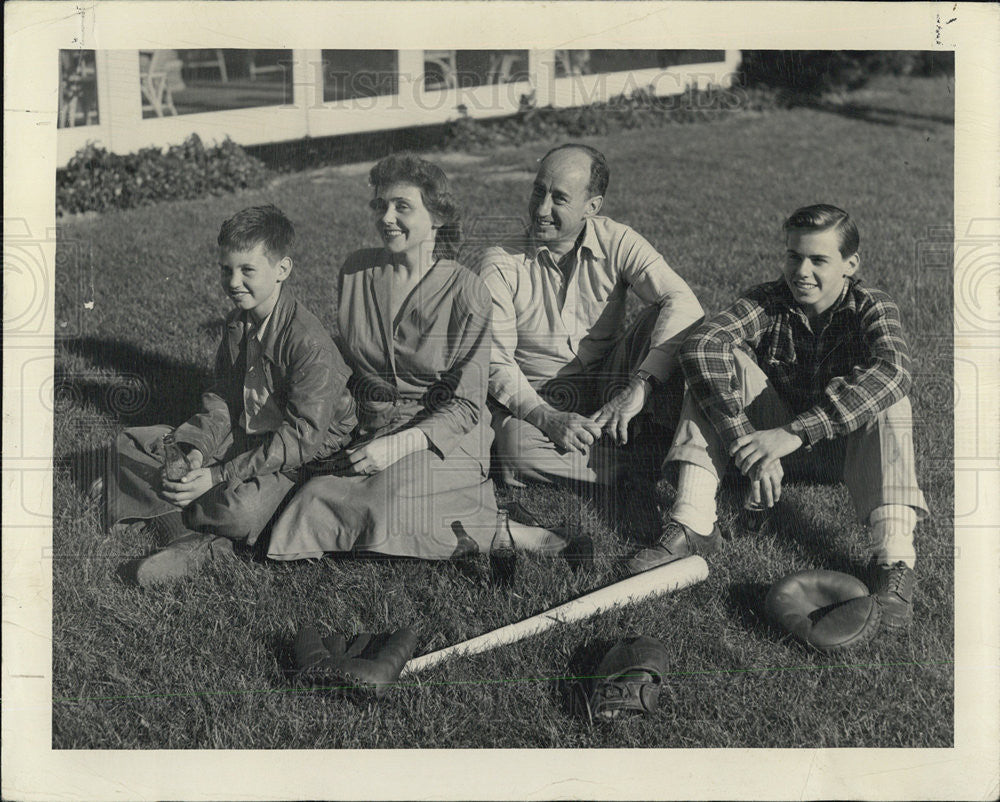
(415, 328)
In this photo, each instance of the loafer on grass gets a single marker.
(181, 558)
(894, 587)
(676, 541)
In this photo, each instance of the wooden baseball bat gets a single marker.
(657, 582)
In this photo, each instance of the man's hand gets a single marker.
(569, 431)
(765, 489)
(615, 416)
(193, 484)
(758, 450)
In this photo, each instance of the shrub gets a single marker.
(640, 109)
(97, 180)
(815, 72)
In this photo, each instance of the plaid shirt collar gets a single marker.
(846, 303)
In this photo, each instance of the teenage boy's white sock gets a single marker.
(695, 503)
(892, 533)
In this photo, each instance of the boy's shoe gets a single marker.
(183, 557)
(676, 541)
(894, 586)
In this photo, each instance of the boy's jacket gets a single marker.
(306, 376)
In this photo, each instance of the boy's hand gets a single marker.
(763, 448)
(568, 430)
(195, 483)
(615, 416)
(765, 486)
(195, 459)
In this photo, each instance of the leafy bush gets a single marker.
(97, 180)
(815, 72)
(640, 109)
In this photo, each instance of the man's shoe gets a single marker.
(894, 586)
(676, 541)
(181, 558)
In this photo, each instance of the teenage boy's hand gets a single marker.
(763, 448)
(193, 484)
(615, 416)
(765, 487)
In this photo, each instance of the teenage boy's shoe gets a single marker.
(181, 558)
(894, 586)
(676, 541)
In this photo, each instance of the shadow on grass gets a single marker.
(574, 684)
(745, 604)
(151, 388)
(819, 542)
(881, 116)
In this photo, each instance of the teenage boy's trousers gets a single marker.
(876, 462)
(238, 510)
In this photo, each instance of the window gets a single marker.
(77, 88)
(349, 74)
(588, 62)
(449, 69)
(194, 81)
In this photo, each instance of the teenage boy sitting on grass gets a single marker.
(278, 401)
(813, 369)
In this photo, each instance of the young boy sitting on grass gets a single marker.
(279, 400)
(811, 369)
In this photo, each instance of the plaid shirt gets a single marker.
(835, 374)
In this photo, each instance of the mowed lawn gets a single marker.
(207, 663)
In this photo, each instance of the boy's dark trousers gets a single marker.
(238, 511)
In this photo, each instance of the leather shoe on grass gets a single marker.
(894, 586)
(676, 541)
(181, 558)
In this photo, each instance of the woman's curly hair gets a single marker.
(435, 189)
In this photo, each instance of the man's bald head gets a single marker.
(595, 161)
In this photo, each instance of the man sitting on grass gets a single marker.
(565, 368)
(811, 368)
(279, 400)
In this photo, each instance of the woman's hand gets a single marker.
(383, 452)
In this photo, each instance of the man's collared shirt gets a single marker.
(260, 411)
(835, 374)
(547, 323)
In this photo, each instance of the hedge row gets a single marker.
(639, 109)
(97, 180)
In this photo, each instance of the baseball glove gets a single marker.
(628, 679)
(370, 662)
(827, 610)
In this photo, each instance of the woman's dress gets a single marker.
(429, 371)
